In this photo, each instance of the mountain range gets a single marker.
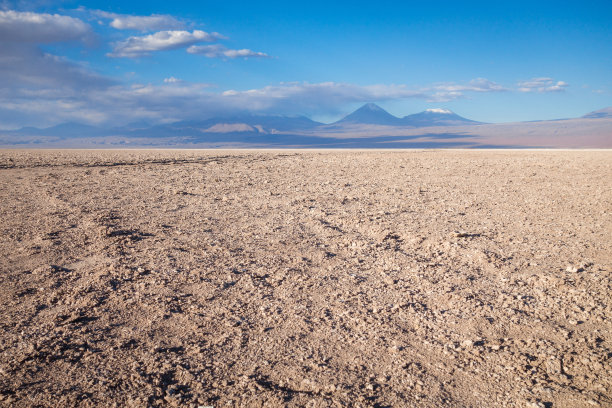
(368, 114)
(372, 114)
(368, 126)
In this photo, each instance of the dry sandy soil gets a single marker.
(387, 278)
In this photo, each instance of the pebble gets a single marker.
(467, 343)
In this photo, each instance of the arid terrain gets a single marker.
(305, 278)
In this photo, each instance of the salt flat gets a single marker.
(306, 278)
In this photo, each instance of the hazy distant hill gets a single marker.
(64, 130)
(259, 123)
(598, 114)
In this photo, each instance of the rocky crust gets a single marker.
(212, 278)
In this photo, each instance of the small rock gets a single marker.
(553, 366)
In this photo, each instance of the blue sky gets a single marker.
(115, 62)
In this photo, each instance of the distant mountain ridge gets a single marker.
(372, 114)
(277, 122)
(256, 126)
(70, 129)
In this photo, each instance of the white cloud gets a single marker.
(179, 100)
(28, 27)
(475, 85)
(447, 92)
(39, 88)
(140, 23)
(484, 85)
(542, 84)
(29, 68)
(445, 96)
(220, 51)
(34, 81)
(119, 104)
(320, 97)
(438, 110)
(137, 46)
(167, 39)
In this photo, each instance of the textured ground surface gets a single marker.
(418, 278)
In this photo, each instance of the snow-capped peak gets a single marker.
(438, 110)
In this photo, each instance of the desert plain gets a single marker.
(195, 278)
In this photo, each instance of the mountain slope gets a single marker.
(370, 114)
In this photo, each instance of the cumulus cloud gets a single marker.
(181, 100)
(541, 85)
(140, 23)
(39, 88)
(29, 67)
(137, 46)
(28, 27)
(116, 104)
(220, 51)
(34, 83)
